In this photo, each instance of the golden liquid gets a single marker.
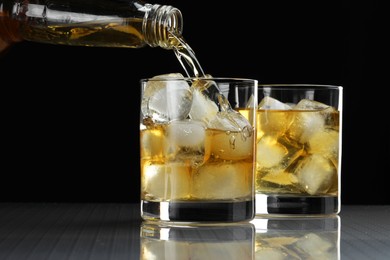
(297, 151)
(218, 166)
(111, 33)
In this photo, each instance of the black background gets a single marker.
(70, 115)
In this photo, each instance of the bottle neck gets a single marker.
(160, 23)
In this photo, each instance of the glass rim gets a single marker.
(218, 79)
(289, 86)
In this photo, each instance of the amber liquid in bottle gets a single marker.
(110, 33)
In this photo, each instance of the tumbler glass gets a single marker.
(298, 149)
(197, 150)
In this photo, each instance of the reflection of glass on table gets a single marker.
(297, 238)
(232, 241)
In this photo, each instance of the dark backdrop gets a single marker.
(70, 116)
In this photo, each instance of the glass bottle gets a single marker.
(100, 23)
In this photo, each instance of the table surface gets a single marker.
(116, 231)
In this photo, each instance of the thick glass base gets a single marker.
(198, 212)
(296, 205)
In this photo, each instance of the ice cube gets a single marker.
(212, 107)
(269, 152)
(273, 122)
(305, 124)
(307, 104)
(231, 145)
(230, 121)
(274, 156)
(330, 114)
(274, 116)
(152, 143)
(187, 133)
(167, 100)
(280, 178)
(209, 88)
(186, 141)
(154, 85)
(325, 143)
(203, 108)
(314, 116)
(271, 103)
(276, 152)
(166, 181)
(316, 174)
(223, 181)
